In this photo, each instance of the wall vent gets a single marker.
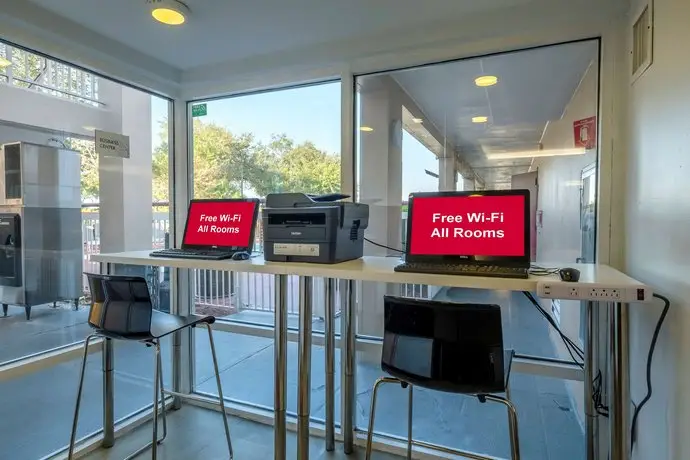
(642, 35)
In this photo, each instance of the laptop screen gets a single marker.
(488, 226)
(227, 224)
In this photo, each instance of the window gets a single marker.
(518, 120)
(91, 202)
(251, 145)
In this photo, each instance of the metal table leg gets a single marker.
(108, 386)
(329, 335)
(306, 296)
(590, 410)
(619, 383)
(348, 363)
(280, 370)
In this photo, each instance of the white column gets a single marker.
(381, 187)
(446, 173)
(125, 192)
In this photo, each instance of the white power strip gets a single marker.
(597, 292)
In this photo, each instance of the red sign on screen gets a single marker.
(220, 223)
(468, 226)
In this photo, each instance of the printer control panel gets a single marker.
(296, 249)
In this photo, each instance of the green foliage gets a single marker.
(229, 165)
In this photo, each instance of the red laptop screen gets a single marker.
(472, 225)
(220, 223)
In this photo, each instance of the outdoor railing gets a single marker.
(220, 293)
(31, 71)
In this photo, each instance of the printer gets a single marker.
(299, 227)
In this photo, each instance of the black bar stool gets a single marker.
(452, 347)
(121, 309)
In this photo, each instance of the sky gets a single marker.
(310, 113)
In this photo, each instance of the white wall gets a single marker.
(26, 134)
(657, 225)
(559, 237)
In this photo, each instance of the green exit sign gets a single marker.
(199, 110)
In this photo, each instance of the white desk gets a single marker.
(380, 269)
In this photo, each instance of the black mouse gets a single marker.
(241, 255)
(569, 274)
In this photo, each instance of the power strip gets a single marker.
(597, 292)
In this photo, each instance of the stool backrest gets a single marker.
(120, 305)
(444, 346)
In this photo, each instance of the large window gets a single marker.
(515, 120)
(88, 202)
(249, 146)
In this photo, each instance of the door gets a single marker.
(10, 250)
(530, 181)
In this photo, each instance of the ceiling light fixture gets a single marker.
(418, 120)
(534, 153)
(169, 12)
(480, 119)
(366, 129)
(485, 80)
(89, 128)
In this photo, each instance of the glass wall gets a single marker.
(251, 145)
(63, 201)
(509, 121)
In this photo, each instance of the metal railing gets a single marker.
(221, 292)
(31, 71)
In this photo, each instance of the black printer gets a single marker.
(299, 227)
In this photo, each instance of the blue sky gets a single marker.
(310, 113)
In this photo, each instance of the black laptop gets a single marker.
(478, 233)
(217, 229)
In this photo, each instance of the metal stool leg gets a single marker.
(512, 424)
(409, 423)
(372, 413)
(158, 376)
(156, 389)
(75, 419)
(220, 390)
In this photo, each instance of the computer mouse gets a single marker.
(569, 274)
(240, 256)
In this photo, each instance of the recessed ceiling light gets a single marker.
(480, 119)
(4, 63)
(418, 120)
(486, 80)
(89, 128)
(169, 12)
(366, 129)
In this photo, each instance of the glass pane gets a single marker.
(499, 122)
(249, 146)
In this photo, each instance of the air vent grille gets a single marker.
(641, 51)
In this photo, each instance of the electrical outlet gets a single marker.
(589, 291)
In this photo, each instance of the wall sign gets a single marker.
(585, 132)
(111, 144)
(199, 110)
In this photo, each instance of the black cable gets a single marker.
(383, 246)
(650, 355)
(537, 270)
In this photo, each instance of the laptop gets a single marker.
(478, 233)
(217, 229)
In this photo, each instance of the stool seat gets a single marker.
(162, 324)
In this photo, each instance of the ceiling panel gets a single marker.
(225, 30)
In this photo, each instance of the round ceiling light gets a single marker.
(480, 119)
(169, 12)
(366, 129)
(485, 80)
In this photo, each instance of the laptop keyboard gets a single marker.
(464, 270)
(193, 254)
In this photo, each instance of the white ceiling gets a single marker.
(227, 30)
(535, 86)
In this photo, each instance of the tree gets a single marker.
(89, 167)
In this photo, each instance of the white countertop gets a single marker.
(370, 268)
